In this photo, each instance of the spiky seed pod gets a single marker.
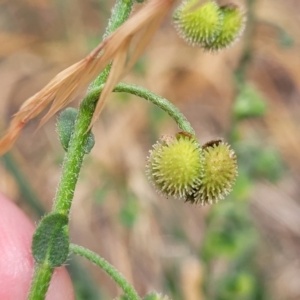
(232, 28)
(174, 165)
(218, 175)
(197, 23)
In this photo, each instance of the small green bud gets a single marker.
(198, 24)
(90, 143)
(65, 127)
(218, 175)
(174, 165)
(231, 29)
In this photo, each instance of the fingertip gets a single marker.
(16, 261)
(61, 286)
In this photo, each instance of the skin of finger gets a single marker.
(16, 261)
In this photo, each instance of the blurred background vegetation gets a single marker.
(246, 247)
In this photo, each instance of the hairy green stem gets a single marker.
(73, 160)
(157, 100)
(74, 157)
(120, 13)
(108, 268)
(41, 281)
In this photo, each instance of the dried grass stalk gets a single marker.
(63, 88)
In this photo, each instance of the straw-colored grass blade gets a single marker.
(113, 78)
(63, 88)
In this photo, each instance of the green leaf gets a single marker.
(65, 127)
(129, 213)
(51, 240)
(237, 285)
(268, 164)
(90, 143)
(249, 103)
(243, 186)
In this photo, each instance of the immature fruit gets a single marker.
(174, 165)
(231, 29)
(198, 24)
(218, 174)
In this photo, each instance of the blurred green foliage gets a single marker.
(230, 246)
(249, 103)
(130, 210)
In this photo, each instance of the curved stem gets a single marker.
(157, 100)
(108, 268)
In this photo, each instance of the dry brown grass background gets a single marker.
(38, 38)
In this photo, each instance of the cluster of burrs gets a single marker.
(180, 168)
(209, 25)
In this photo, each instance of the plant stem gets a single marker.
(74, 157)
(108, 268)
(157, 100)
(73, 160)
(41, 281)
(120, 13)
